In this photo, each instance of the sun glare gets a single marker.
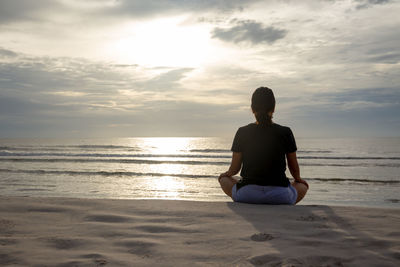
(166, 185)
(161, 42)
(166, 145)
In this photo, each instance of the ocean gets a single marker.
(340, 171)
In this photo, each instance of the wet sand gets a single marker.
(95, 232)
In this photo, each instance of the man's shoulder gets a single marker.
(281, 127)
(247, 127)
(277, 127)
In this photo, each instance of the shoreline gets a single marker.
(391, 204)
(56, 231)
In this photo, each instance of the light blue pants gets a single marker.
(258, 194)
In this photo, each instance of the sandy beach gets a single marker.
(88, 232)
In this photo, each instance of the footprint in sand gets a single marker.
(141, 248)
(100, 262)
(275, 260)
(311, 218)
(6, 225)
(106, 218)
(98, 259)
(393, 200)
(7, 241)
(46, 209)
(261, 237)
(62, 243)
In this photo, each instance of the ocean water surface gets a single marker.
(346, 171)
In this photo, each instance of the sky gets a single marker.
(126, 68)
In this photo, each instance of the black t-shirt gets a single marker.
(263, 151)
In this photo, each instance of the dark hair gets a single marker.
(262, 102)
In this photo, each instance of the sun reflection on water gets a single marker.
(166, 145)
(166, 186)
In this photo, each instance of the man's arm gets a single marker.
(236, 164)
(294, 167)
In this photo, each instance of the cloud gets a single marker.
(16, 106)
(71, 77)
(42, 96)
(166, 81)
(27, 10)
(19, 10)
(4, 53)
(139, 8)
(390, 57)
(68, 93)
(348, 100)
(362, 4)
(365, 112)
(248, 31)
(352, 112)
(45, 96)
(363, 99)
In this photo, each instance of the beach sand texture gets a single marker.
(93, 232)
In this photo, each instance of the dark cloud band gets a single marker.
(249, 31)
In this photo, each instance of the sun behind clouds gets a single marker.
(161, 42)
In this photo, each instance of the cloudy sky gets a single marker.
(100, 68)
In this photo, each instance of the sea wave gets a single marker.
(182, 175)
(189, 162)
(183, 155)
(28, 149)
(350, 157)
(353, 180)
(132, 161)
(351, 164)
(105, 173)
(229, 151)
(106, 155)
(68, 147)
(210, 150)
(315, 151)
